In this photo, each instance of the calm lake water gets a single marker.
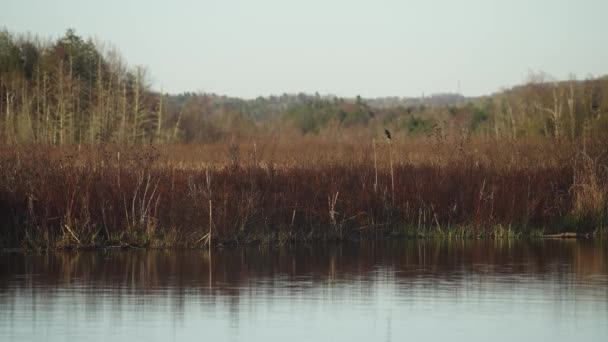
(419, 291)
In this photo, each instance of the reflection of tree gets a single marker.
(249, 273)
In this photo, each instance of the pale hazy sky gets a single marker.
(344, 47)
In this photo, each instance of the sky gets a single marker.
(370, 48)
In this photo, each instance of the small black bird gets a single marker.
(388, 134)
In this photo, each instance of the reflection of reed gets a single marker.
(229, 278)
(210, 263)
(142, 272)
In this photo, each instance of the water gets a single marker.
(473, 291)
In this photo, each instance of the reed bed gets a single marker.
(189, 196)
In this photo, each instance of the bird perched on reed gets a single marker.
(388, 134)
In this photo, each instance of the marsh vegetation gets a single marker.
(92, 156)
(187, 195)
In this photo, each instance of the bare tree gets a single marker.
(554, 111)
(159, 122)
(570, 101)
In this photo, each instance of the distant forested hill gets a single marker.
(71, 91)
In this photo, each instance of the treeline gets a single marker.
(68, 91)
(540, 108)
(71, 91)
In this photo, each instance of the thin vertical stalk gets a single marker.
(208, 179)
(160, 118)
(375, 167)
(390, 157)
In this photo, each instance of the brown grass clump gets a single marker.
(589, 187)
(181, 196)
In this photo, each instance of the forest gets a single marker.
(73, 91)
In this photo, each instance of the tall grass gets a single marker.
(182, 196)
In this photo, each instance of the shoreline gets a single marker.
(432, 236)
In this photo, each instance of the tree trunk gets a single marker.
(160, 118)
(572, 114)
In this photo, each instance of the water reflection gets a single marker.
(368, 291)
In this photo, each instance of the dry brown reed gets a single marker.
(182, 196)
